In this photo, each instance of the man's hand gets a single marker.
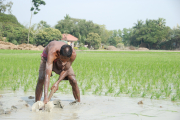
(55, 86)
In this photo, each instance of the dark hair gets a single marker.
(66, 50)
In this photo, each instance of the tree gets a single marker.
(43, 24)
(1, 31)
(127, 36)
(47, 35)
(152, 32)
(117, 36)
(5, 7)
(138, 27)
(94, 40)
(175, 37)
(66, 25)
(120, 45)
(35, 8)
(104, 34)
(80, 28)
(36, 4)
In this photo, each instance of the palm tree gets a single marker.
(161, 22)
(137, 27)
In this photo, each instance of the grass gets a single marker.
(155, 75)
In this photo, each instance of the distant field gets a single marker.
(155, 75)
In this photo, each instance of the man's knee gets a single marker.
(40, 81)
(72, 80)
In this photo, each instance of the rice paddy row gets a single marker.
(155, 75)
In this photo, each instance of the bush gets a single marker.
(81, 45)
(83, 48)
(75, 48)
(105, 47)
(14, 42)
(120, 45)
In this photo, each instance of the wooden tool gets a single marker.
(51, 94)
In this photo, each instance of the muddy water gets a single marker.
(91, 108)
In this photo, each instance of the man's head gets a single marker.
(65, 52)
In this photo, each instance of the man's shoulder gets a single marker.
(73, 56)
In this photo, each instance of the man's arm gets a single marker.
(64, 72)
(62, 75)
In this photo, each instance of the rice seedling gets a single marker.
(173, 98)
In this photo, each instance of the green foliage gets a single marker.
(79, 28)
(83, 48)
(75, 48)
(175, 38)
(127, 35)
(151, 32)
(36, 4)
(94, 40)
(154, 34)
(115, 37)
(5, 7)
(43, 24)
(114, 73)
(105, 34)
(8, 23)
(14, 42)
(13, 30)
(47, 35)
(120, 45)
(9, 19)
(1, 31)
(17, 33)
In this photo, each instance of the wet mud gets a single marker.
(18, 106)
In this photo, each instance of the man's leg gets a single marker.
(39, 87)
(75, 87)
(41, 78)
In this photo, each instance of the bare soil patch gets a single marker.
(142, 48)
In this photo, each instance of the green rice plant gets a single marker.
(96, 90)
(173, 98)
(83, 91)
(143, 94)
(167, 91)
(133, 94)
(158, 94)
(135, 73)
(14, 88)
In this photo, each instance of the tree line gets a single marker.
(153, 34)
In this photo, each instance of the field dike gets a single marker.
(10, 46)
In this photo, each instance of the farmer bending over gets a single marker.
(58, 57)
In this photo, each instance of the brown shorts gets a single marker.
(42, 69)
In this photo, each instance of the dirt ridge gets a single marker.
(11, 46)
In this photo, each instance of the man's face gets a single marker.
(64, 59)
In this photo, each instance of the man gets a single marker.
(58, 57)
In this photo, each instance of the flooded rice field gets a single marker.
(17, 105)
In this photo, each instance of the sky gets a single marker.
(114, 14)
